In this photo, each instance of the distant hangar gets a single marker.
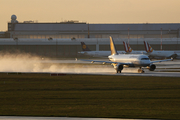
(75, 29)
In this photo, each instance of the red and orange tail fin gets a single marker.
(127, 47)
(148, 48)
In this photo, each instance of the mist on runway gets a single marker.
(31, 63)
(18, 62)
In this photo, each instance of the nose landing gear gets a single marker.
(140, 70)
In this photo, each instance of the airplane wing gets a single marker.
(104, 62)
(162, 60)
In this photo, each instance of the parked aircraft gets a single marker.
(88, 52)
(152, 54)
(119, 61)
(178, 54)
(158, 54)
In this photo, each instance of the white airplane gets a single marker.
(128, 60)
(88, 52)
(158, 54)
(178, 54)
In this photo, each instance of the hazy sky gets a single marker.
(90, 11)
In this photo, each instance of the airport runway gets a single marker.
(164, 69)
(167, 69)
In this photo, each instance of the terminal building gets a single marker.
(63, 38)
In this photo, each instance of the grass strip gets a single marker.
(90, 96)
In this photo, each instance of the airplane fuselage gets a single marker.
(162, 54)
(99, 53)
(134, 60)
(156, 54)
(137, 52)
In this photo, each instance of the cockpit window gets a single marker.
(144, 58)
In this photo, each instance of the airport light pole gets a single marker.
(56, 47)
(128, 36)
(161, 38)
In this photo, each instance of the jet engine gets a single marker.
(152, 67)
(119, 68)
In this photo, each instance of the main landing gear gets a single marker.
(118, 71)
(140, 70)
(118, 68)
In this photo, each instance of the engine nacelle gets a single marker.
(152, 67)
(120, 67)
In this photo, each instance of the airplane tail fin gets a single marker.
(113, 47)
(148, 48)
(127, 47)
(84, 47)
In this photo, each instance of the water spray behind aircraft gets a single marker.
(23, 62)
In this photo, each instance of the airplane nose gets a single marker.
(110, 57)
